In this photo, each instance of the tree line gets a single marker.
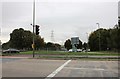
(100, 39)
(22, 39)
(107, 40)
(81, 45)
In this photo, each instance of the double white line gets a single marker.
(57, 70)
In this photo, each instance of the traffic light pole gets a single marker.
(33, 29)
(37, 29)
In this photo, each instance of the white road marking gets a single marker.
(84, 68)
(57, 70)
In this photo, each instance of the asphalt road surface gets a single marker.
(58, 68)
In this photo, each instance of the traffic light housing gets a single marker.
(37, 30)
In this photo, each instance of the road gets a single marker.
(46, 69)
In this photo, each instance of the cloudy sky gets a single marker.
(67, 18)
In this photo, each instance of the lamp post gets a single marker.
(87, 45)
(87, 40)
(99, 36)
(33, 45)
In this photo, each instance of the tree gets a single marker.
(57, 46)
(79, 46)
(103, 39)
(118, 39)
(23, 39)
(16, 38)
(6, 45)
(109, 39)
(27, 39)
(85, 45)
(115, 37)
(95, 40)
(50, 46)
(39, 42)
(67, 44)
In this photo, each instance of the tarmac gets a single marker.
(25, 67)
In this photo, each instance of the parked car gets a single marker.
(70, 50)
(87, 50)
(78, 50)
(11, 51)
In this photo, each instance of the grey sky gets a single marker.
(66, 18)
(119, 8)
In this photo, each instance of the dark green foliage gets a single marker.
(57, 46)
(79, 46)
(52, 46)
(85, 45)
(6, 45)
(39, 42)
(67, 44)
(118, 40)
(23, 39)
(109, 39)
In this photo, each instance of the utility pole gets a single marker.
(99, 36)
(52, 36)
(33, 45)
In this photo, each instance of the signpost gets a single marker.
(33, 28)
(74, 42)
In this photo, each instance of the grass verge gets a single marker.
(76, 58)
(72, 53)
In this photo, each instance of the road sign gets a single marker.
(75, 40)
(33, 46)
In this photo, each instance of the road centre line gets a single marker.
(84, 68)
(57, 70)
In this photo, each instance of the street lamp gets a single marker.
(99, 36)
(33, 45)
(87, 44)
(87, 39)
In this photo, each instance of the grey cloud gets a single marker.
(66, 18)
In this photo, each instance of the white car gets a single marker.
(70, 50)
(78, 50)
(11, 51)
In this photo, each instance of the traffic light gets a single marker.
(37, 30)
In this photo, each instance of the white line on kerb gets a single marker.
(57, 70)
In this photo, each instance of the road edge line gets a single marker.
(57, 70)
